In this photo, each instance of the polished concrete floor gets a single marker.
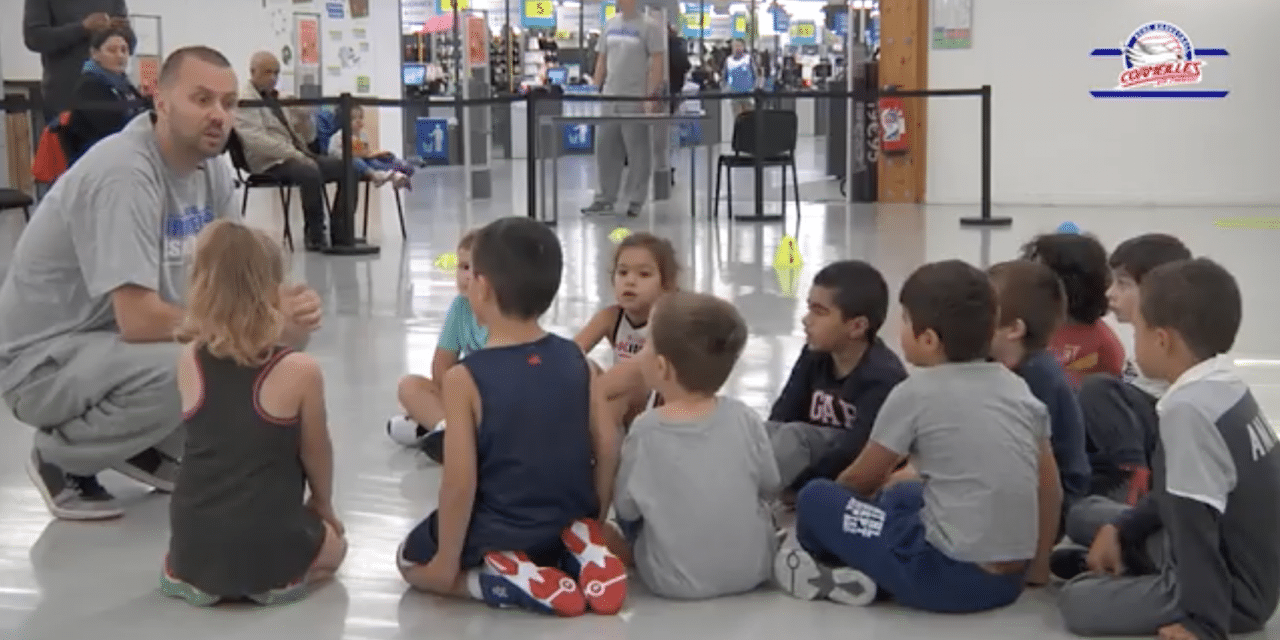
(59, 580)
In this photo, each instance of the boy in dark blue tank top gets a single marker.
(529, 464)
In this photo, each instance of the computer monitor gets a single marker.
(557, 75)
(415, 75)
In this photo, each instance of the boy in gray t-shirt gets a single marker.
(697, 473)
(985, 511)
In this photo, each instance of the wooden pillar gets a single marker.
(904, 63)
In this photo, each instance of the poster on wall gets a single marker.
(359, 8)
(952, 24)
(306, 44)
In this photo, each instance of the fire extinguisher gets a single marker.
(893, 125)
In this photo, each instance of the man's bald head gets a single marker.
(264, 71)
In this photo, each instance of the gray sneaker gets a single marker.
(68, 496)
(799, 574)
(152, 467)
(598, 208)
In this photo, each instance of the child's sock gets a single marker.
(602, 577)
(517, 581)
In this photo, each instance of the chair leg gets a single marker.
(728, 186)
(715, 202)
(795, 182)
(404, 235)
(244, 202)
(364, 233)
(26, 214)
(286, 198)
(784, 192)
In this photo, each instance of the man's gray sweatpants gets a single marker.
(97, 401)
(1128, 605)
(799, 445)
(617, 142)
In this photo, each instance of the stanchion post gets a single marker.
(757, 104)
(984, 219)
(531, 151)
(348, 184)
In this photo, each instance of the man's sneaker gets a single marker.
(404, 431)
(598, 208)
(1068, 562)
(633, 211)
(799, 574)
(71, 497)
(152, 467)
(526, 584)
(602, 577)
(432, 444)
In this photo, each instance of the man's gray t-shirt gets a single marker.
(119, 216)
(973, 431)
(701, 489)
(627, 45)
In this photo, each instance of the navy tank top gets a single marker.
(533, 443)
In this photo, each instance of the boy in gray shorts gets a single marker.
(1197, 558)
(986, 513)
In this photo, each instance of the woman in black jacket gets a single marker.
(102, 82)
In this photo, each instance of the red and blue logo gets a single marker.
(1160, 62)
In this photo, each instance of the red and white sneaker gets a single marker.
(602, 577)
(545, 589)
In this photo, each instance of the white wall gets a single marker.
(1053, 143)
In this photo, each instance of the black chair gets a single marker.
(368, 185)
(776, 149)
(250, 180)
(14, 199)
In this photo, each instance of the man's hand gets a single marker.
(1104, 553)
(97, 21)
(301, 306)
(1175, 631)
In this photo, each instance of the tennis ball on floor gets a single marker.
(619, 234)
(1068, 227)
(447, 262)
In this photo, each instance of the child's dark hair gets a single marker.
(99, 38)
(701, 336)
(1140, 254)
(468, 240)
(1196, 298)
(1081, 263)
(1031, 292)
(663, 253)
(521, 260)
(957, 301)
(859, 289)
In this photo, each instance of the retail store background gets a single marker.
(1098, 161)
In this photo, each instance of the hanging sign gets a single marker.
(607, 9)
(695, 20)
(804, 32)
(538, 14)
(738, 25)
(446, 6)
(842, 23)
(780, 19)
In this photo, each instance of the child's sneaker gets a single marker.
(602, 577)
(283, 595)
(799, 574)
(404, 431)
(598, 208)
(526, 584)
(152, 467)
(171, 586)
(432, 444)
(1068, 562)
(68, 496)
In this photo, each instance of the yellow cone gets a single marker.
(447, 262)
(788, 280)
(787, 255)
(619, 234)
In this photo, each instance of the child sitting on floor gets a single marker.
(986, 512)
(697, 473)
(644, 268)
(1197, 558)
(254, 416)
(423, 426)
(1031, 305)
(529, 462)
(1084, 344)
(823, 416)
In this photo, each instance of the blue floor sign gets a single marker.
(577, 137)
(433, 138)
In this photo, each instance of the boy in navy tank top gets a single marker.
(528, 465)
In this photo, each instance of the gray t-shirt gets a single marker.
(627, 45)
(702, 490)
(973, 431)
(119, 216)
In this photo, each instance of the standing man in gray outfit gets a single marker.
(59, 31)
(97, 286)
(630, 62)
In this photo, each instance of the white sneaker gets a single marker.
(404, 431)
(802, 576)
(380, 178)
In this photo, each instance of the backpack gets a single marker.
(50, 160)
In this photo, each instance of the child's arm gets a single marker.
(620, 379)
(606, 445)
(625, 505)
(765, 464)
(458, 482)
(449, 343)
(598, 329)
(441, 362)
(891, 439)
(315, 447)
(1050, 506)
